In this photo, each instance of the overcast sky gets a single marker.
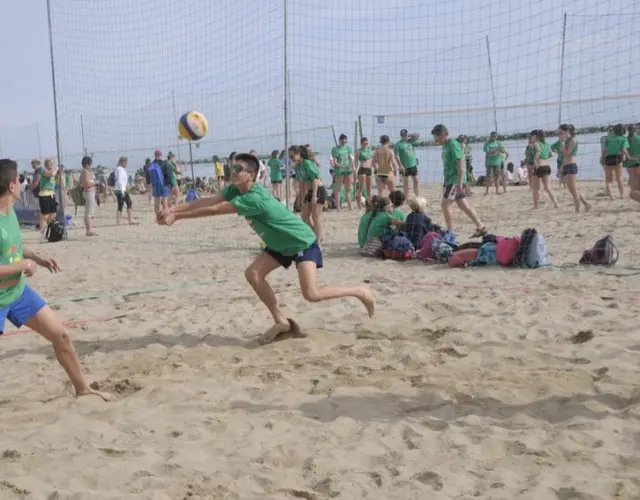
(121, 65)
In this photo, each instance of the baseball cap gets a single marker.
(404, 132)
(158, 153)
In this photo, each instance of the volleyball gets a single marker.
(193, 126)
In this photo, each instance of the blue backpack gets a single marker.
(486, 255)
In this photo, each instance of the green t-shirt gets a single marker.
(556, 147)
(11, 248)
(342, 156)
(545, 150)
(574, 151)
(407, 154)
(495, 159)
(278, 227)
(634, 150)
(47, 183)
(309, 171)
(451, 155)
(362, 229)
(530, 154)
(396, 213)
(615, 144)
(365, 154)
(274, 169)
(380, 223)
(171, 167)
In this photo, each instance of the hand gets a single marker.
(166, 219)
(49, 264)
(29, 267)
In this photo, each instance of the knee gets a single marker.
(60, 338)
(252, 275)
(310, 295)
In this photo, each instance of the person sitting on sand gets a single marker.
(418, 224)
(21, 304)
(397, 199)
(287, 239)
(381, 219)
(364, 220)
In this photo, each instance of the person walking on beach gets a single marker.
(88, 182)
(406, 157)
(161, 190)
(541, 169)
(569, 172)
(287, 238)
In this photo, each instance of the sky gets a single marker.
(125, 71)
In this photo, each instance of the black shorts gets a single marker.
(570, 169)
(276, 182)
(322, 195)
(612, 160)
(451, 192)
(542, 171)
(411, 171)
(221, 177)
(383, 177)
(48, 205)
(368, 171)
(122, 199)
(311, 254)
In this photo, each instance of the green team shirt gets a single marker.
(365, 154)
(613, 144)
(274, 169)
(309, 171)
(172, 172)
(494, 160)
(396, 213)
(379, 224)
(530, 154)
(47, 183)
(451, 155)
(406, 153)
(556, 147)
(574, 151)
(342, 156)
(12, 253)
(545, 150)
(634, 150)
(279, 228)
(362, 229)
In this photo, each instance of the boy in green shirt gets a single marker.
(274, 164)
(494, 158)
(406, 156)
(287, 239)
(455, 178)
(19, 303)
(342, 161)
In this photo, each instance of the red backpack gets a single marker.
(506, 250)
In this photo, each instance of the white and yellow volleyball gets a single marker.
(193, 126)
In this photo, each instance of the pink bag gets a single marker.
(463, 257)
(425, 250)
(506, 249)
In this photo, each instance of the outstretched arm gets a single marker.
(194, 212)
(208, 202)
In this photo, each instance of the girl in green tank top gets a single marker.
(365, 154)
(541, 170)
(568, 150)
(364, 171)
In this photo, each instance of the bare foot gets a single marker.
(587, 208)
(92, 392)
(366, 297)
(270, 335)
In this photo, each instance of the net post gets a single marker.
(493, 91)
(193, 177)
(360, 126)
(84, 145)
(335, 137)
(564, 37)
(175, 117)
(285, 20)
(39, 143)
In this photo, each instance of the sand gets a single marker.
(468, 383)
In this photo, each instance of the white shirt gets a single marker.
(122, 177)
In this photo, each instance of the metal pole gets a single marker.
(493, 92)
(60, 212)
(176, 118)
(287, 186)
(564, 34)
(193, 175)
(39, 143)
(84, 146)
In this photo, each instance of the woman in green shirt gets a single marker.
(614, 150)
(569, 170)
(381, 219)
(541, 169)
(632, 164)
(365, 155)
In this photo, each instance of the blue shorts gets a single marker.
(23, 309)
(161, 191)
(311, 254)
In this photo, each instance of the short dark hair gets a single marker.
(87, 161)
(8, 174)
(397, 198)
(439, 130)
(384, 139)
(342, 136)
(250, 160)
(364, 139)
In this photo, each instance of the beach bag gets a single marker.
(111, 180)
(486, 255)
(372, 248)
(462, 258)
(532, 251)
(441, 251)
(398, 247)
(603, 253)
(506, 250)
(449, 237)
(55, 231)
(426, 251)
(191, 195)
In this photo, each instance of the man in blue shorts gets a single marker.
(287, 238)
(160, 190)
(19, 303)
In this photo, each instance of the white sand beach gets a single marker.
(489, 383)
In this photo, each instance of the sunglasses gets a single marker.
(238, 169)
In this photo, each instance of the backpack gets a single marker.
(463, 257)
(372, 248)
(532, 250)
(398, 247)
(426, 251)
(506, 250)
(441, 250)
(486, 255)
(55, 231)
(111, 180)
(603, 253)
